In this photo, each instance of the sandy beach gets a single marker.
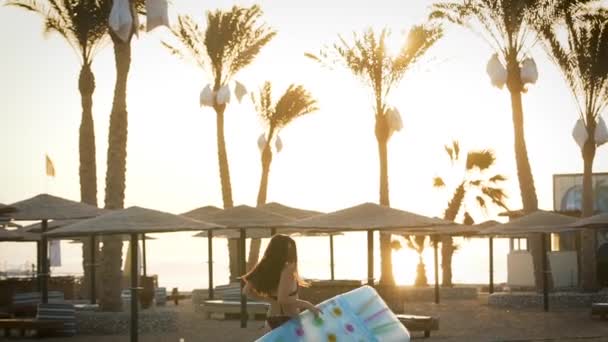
(469, 320)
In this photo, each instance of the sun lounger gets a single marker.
(25, 304)
(24, 325)
(59, 312)
(160, 296)
(599, 309)
(420, 323)
(53, 319)
(230, 304)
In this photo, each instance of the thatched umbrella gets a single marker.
(133, 221)
(595, 221)
(370, 217)
(45, 207)
(298, 214)
(246, 220)
(539, 222)
(291, 212)
(5, 209)
(202, 213)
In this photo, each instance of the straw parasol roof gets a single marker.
(17, 235)
(47, 207)
(256, 221)
(537, 222)
(4, 209)
(202, 213)
(368, 216)
(595, 221)
(244, 216)
(9, 235)
(133, 220)
(51, 225)
(290, 212)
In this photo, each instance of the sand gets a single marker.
(469, 320)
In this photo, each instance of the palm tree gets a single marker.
(117, 158)
(508, 26)
(582, 59)
(83, 26)
(475, 183)
(416, 243)
(368, 59)
(231, 42)
(294, 103)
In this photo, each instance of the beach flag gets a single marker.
(50, 168)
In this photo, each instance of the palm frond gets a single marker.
(496, 195)
(295, 102)
(263, 103)
(190, 38)
(234, 38)
(507, 25)
(581, 58)
(497, 178)
(438, 182)
(83, 24)
(481, 160)
(468, 219)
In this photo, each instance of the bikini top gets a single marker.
(295, 292)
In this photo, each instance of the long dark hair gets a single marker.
(265, 276)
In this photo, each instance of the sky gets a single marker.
(330, 158)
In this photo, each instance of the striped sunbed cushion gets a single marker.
(59, 312)
(34, 298)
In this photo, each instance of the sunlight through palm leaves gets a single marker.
(230, 42)
(368, 58)
(295, 102)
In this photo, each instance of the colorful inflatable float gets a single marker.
(358, 315)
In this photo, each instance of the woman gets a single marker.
(275, 280)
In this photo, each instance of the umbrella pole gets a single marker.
(243, 266)
(210, 262)
(544, 270)
(93, 268)
(331, 256)
(435, 252)
(370, 257)
(491, 285)
(134, 288)
(38, 266)
(44, 263)
(143, 247)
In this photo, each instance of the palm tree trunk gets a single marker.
(386, 263)
(115, 176)
(222, 157)
(254, 250)
(447, 242)
(524, 171)
(88, 166)
(588, 236)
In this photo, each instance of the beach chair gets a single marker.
(59, 312)
(52, 319)
(230, 304)
(419, 323)
(160, 296)
(599, 309)
(25, 304)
